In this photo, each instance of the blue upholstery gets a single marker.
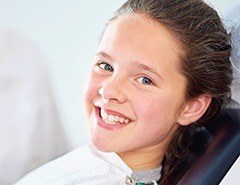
(216, 148)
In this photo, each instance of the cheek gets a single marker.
(157, 110)
(91, 89)
(155, 118)
(150, 107)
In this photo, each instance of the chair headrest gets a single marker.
(214, 150)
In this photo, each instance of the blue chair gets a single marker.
(216, 148)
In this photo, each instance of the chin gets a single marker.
(102, 145)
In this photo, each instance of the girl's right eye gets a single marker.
(104, 66)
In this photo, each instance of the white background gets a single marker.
(67, 32)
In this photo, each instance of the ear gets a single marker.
(194, 109)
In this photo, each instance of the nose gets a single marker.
(113, 91)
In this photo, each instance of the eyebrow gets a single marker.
(142, 66)
(136, 64)
(105, 55)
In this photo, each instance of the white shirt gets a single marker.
(85, 165)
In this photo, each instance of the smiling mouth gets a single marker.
(110, 121)
(112, 118)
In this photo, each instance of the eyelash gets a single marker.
(101, 62)
(143, 77)
(111, 69)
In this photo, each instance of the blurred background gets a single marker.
(66, 34)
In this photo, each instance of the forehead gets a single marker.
(145, 33)
(135, 37)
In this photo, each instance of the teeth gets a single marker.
(104, 115)
(116, 119)
(111, 119)
(121, 120)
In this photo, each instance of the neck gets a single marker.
(143, 159)
(150, 157)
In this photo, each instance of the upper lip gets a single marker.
(115, 113)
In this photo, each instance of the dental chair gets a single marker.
(214, 151)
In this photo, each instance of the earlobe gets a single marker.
(194, 109)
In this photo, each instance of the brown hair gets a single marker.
(206, 63)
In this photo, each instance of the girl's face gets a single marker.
(135, 92)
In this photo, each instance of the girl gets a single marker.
(161, 70)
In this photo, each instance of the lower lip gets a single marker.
(102, 124)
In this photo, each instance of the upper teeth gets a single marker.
(111, 119)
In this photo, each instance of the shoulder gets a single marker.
(85, 165)
(61, 168)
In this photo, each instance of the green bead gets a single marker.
(140, 183)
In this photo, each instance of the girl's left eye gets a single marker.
(144, 80)
(104, 66)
